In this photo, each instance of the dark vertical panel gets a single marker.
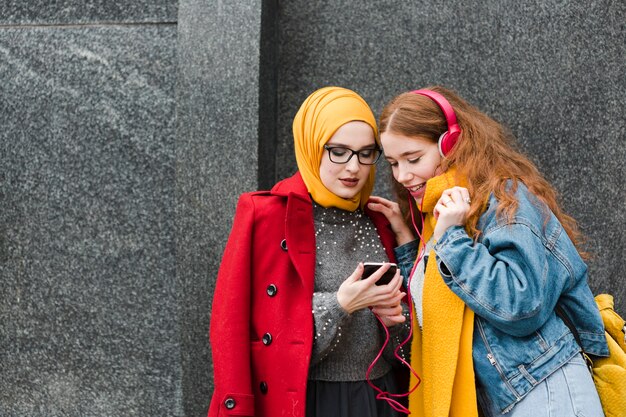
(268, 94)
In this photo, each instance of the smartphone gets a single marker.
(371, 267)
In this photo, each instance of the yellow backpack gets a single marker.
(609, 374)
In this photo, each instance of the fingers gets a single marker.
(393, 320)
(391, 210)
(396, 282)
(391, 301)
(454, 195)
(451, 209)
(390, 315)
(452, 199)
(380, 200)
(388, 311)
(372, 279)
(393, 286)
(465, 195)
(356, 292)
(384, 206)
(387, 299)
(356, 275)
(391, 293)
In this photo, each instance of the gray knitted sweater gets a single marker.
(346, 344)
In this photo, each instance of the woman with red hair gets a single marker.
(496, 254)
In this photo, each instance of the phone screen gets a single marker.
(371, 267)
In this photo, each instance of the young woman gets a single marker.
(496, 256)
(291, 331)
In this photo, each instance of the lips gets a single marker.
(349, 182)
(417, 190)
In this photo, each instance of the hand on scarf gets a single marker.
(393, 214)
(356, 293)
(451, 210)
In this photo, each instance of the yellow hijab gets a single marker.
(441, 352)
(319, 117)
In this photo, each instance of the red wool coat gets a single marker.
(261, 321)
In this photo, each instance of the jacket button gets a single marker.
(229, 403)
(263, 386)
(283, 244)
(272, 290)
(267, 339)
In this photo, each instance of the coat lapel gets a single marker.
(300, 235)
(299, 227)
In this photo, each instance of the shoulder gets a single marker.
(289, 195)
(530, 209)
(249, 200)
(260, 205)
(284, 189)
(292, 186)
(379, 219)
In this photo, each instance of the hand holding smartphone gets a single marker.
(370, 267)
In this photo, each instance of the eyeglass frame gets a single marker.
(329, 148)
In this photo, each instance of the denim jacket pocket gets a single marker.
(508, 366)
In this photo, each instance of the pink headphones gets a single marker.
(448, 139)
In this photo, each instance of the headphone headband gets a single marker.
(448, 139)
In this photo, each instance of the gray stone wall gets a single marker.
(89, 305)
(216, 160)
(128, 129)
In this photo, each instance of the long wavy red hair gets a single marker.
(485, 154)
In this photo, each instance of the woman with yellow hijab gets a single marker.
(292, 326)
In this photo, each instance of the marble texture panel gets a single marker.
(87, 256)
(216, 160)
(73, 12)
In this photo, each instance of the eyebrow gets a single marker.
(405, 154)
(412, 152)
(341, 145)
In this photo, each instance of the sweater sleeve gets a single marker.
(328, 317)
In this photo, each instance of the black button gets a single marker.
(229, 403)
(263, 386)
(272, 290)
(283, 244)
(267, 339)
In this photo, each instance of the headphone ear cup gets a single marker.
(446, 141)
(440, 143)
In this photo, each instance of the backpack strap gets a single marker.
(563, 315)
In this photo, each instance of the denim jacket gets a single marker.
(512, 278)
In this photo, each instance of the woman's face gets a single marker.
(413, 160)
(347, 180)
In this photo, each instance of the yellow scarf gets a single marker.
(442, 352)
(319, 117)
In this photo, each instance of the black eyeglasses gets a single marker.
(342, 155)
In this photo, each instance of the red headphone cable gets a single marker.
(384, 395)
